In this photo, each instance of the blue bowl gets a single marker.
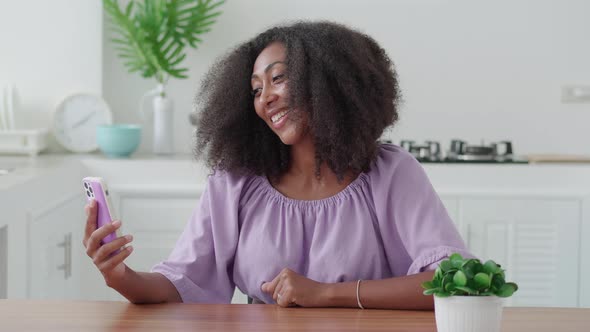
(119, 140)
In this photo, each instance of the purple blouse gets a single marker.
(388, 222)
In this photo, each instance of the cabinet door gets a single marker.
(55, 236)
(156, 223)
(535, 239)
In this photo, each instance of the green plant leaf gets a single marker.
(507, 290)
(430, 291)
(497, 281)
(178, 59)
(467, 290)
(456, 257)
(446, 265)
(438, 274)
(490, 267)
(456, 260)
(428, 285)
(470, 262)
(450, 288)
(191, 17)
(460, 279)
(152, 34)
(469, 277)
(436, 282)
(447, 278)
(482, 281)
(468, 272)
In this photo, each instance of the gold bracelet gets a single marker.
(358, 299)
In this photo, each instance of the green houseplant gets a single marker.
(468, 294)
(151, 37)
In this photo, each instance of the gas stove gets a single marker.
(462, 152)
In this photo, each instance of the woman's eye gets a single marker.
(255, 92)
(278, 78)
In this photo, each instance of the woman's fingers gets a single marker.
(93, 242)
(269, 287)
(278, 292)
(90, 210)
(285, 299)
(115, 260)
(108, 249)
(281, 288)
(108, 257)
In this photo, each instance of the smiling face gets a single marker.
(271, 98)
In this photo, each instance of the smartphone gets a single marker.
(96, 189)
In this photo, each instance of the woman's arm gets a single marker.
(392, 293)
(144, 287)
(137, 287)
(289, 288)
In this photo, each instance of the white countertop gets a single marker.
(22, 169)
(183, 171)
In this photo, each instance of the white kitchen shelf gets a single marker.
(24, 142)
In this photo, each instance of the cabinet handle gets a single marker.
(67, 265)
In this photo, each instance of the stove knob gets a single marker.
(407, 145)
(457, 146)
(434, 149)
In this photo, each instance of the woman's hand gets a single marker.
(110, 265)
(291, 289)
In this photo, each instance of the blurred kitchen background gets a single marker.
(471, 70)
(514, 73)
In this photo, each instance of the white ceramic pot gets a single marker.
(163, 125)
(468, 313)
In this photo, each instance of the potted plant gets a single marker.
(151, 38)
(468, 295)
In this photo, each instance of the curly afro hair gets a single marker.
(342, 78)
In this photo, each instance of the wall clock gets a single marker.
(75, 121)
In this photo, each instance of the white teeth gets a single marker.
(278, 116)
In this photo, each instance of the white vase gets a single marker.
(163, 125)
(468, 313)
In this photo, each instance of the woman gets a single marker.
(304, 206)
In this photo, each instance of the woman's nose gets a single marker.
(268, 96)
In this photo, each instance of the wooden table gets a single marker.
(120, 316)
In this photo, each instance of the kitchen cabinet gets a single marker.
(535, 238)
(42, 208)
(58, 267)
(55, 247)
(531, 219)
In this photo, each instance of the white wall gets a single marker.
(469, 69)
(49, 50)
(3, 262)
